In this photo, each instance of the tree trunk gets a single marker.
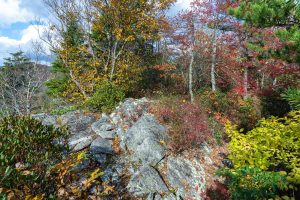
(191, 78)
(113, 60)
(246, 83)
(213, 64)
(82, 91)
(192, 62)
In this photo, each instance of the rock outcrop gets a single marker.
(153, 173)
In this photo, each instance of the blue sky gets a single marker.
(18, 28)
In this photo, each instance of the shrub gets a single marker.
(105, 98)
(274, 105)
(293, 97)
(27, 149)
(73, 181)
(214, 101)
(188, 123)
(245, 113)
(273, 145)
(252, 183)
(64, 110)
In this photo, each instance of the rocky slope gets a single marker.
(141, 153)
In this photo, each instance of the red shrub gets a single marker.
(188, 124)
(218, 192)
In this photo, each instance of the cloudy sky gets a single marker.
(18, 23)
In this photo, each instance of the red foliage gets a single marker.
(218, 192)
(188, 124)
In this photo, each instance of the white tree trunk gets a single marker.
(193, 40)
(191, 77)
(213, 64)
(113, 60)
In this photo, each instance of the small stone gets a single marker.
(81, 143)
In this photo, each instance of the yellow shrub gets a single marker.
(273, 145)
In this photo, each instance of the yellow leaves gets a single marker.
(273, 143)
(38, 197)
(92, 179)
(15, 194)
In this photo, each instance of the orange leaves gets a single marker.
(166, 70)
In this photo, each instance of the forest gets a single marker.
(222, 72)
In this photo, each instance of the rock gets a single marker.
(150, 152)
(146, 181)
(47, 120)
(101, 158)
(205, 148)
(157, 196)
(101, 146)
(170, 197)
(186, 177)
(104, 129)
(81, 140)
(154, 196)
(144, 139)
(129, 111)
(77, 122)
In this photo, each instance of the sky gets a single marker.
(19, 27)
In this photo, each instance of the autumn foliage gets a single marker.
(188, 123)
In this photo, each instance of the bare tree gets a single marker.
(21, 80)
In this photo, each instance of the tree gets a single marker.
(20, 82)
(111, 33)
(275, 38)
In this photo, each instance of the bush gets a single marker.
(188, 123)
(106, 98)
(214, 101)
(64, 110)
(273, 145)
(245, 113)
(293, 97)
(27, 149)
(252, 183)
(274, 105)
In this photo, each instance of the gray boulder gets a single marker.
(104, 129)
(129, 111)
(150, 152)
(101, 146)
(146, 181)
(46, 119)
(186, 177)
(144, 140)
(77, 121)
(81, 140)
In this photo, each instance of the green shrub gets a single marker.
(106, 97)
(252, 183)
(64, 110)
(27, 149)
(273, 145)
(214, 101)
(245, 113)
(293, 97)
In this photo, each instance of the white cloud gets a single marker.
(28, 36)
(183, 3)
(11, 12)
